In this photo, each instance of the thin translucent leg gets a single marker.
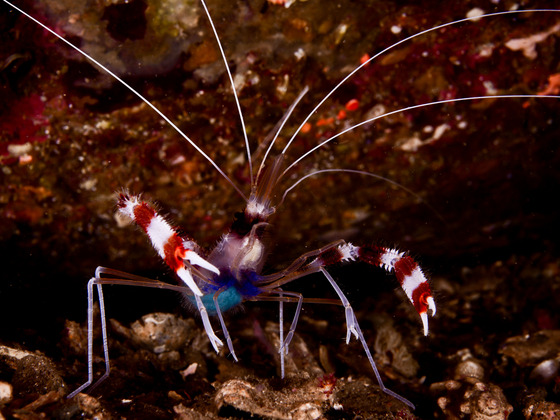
(281, 334)
(103, 336)
(90, 341)
(284, 343)
(353, 327)
(224, 328)
(279, 295)
(291, 297)
(350, 317)
(125, 280)
(214, 340)
(290, 336)
(90, 336)
(376, 372)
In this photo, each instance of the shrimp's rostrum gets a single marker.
(235, 270)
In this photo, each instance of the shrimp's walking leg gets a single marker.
(224, 327)
(125, 279)
(407, 271)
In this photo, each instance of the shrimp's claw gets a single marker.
(408, 273)
(416, 286)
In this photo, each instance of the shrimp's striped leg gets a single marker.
(408, 272)
(178, 253)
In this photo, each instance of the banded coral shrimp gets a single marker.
(379, 148)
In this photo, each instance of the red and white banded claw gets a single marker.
(166, 241)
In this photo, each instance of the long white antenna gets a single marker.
(435, 28)
(408, 108)
(282, 123)
(233, 89)
(161, 114)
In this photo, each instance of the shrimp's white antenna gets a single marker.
(390, 47)
(233, 89)
(409, 108)
(134, 91)
(282, 123)
(358, 172)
